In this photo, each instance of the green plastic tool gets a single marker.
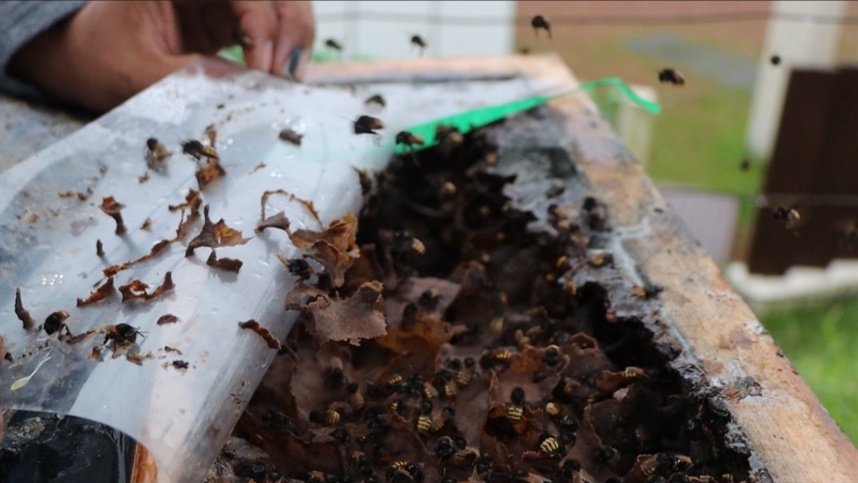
(477, 118)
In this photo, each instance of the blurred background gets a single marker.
(766, 119)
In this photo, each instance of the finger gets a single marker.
(296, 27)
(258, 21)
(301, 70)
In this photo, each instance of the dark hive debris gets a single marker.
(23, 315)
(291, 136)
(367, 125)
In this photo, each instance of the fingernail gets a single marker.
(267, 56)
(294, 59)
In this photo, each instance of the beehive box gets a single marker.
(707, 335)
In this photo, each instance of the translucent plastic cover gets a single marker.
(51, 223)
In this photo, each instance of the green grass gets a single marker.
(822, 343)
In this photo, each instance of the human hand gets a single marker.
(110, 50)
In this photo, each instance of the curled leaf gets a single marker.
(102, 292)
(214, 235)
(136, 290)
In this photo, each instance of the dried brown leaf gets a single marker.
(215, 235)
(276, 221)
(307, 204)
(209, 172)
(167, 319)
(113, 208)
(262, 332)
(193, 201)
(357, 317)
(105, 290)
(136, 290)
(225, 264)
(22, 313)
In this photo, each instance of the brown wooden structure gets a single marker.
(814, 169)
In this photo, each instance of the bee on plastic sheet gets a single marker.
(198, 150)
(419, 42)
(121, 334)
(333, 45)
(300, 268)
(355, 397)
(671, 76)
(334, 376)
(367, 125)
(405, 470)
(515, 408)
(56, 322)
(155, 153)
(539, 22)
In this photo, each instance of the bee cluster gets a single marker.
(495, 366)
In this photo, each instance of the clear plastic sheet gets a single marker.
(48, 245)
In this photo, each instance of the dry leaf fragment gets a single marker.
(360, 316)
(291, 136)
(262, 332)
(136, 289)
(276, 221)
(147, 225)
(215, 235)
(307, 204)
(193, 201)
(113, 208)
(22, 313)
(105, 290)
(225, 264)
(167, 319)
(210, 171)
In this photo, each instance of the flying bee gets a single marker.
(775, 59)
(156, 153)
(333, 45)
(671, 75)
(56, 322)
(334, 376)
(515, 408)
(548, 444)
(789, 216)
(376, 99)
(424, 424)
(355, 397)
(466, 373)
(419, 42)
(367, 125)
(539, 22)
(121, 334)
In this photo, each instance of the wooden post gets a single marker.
(799, 43)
